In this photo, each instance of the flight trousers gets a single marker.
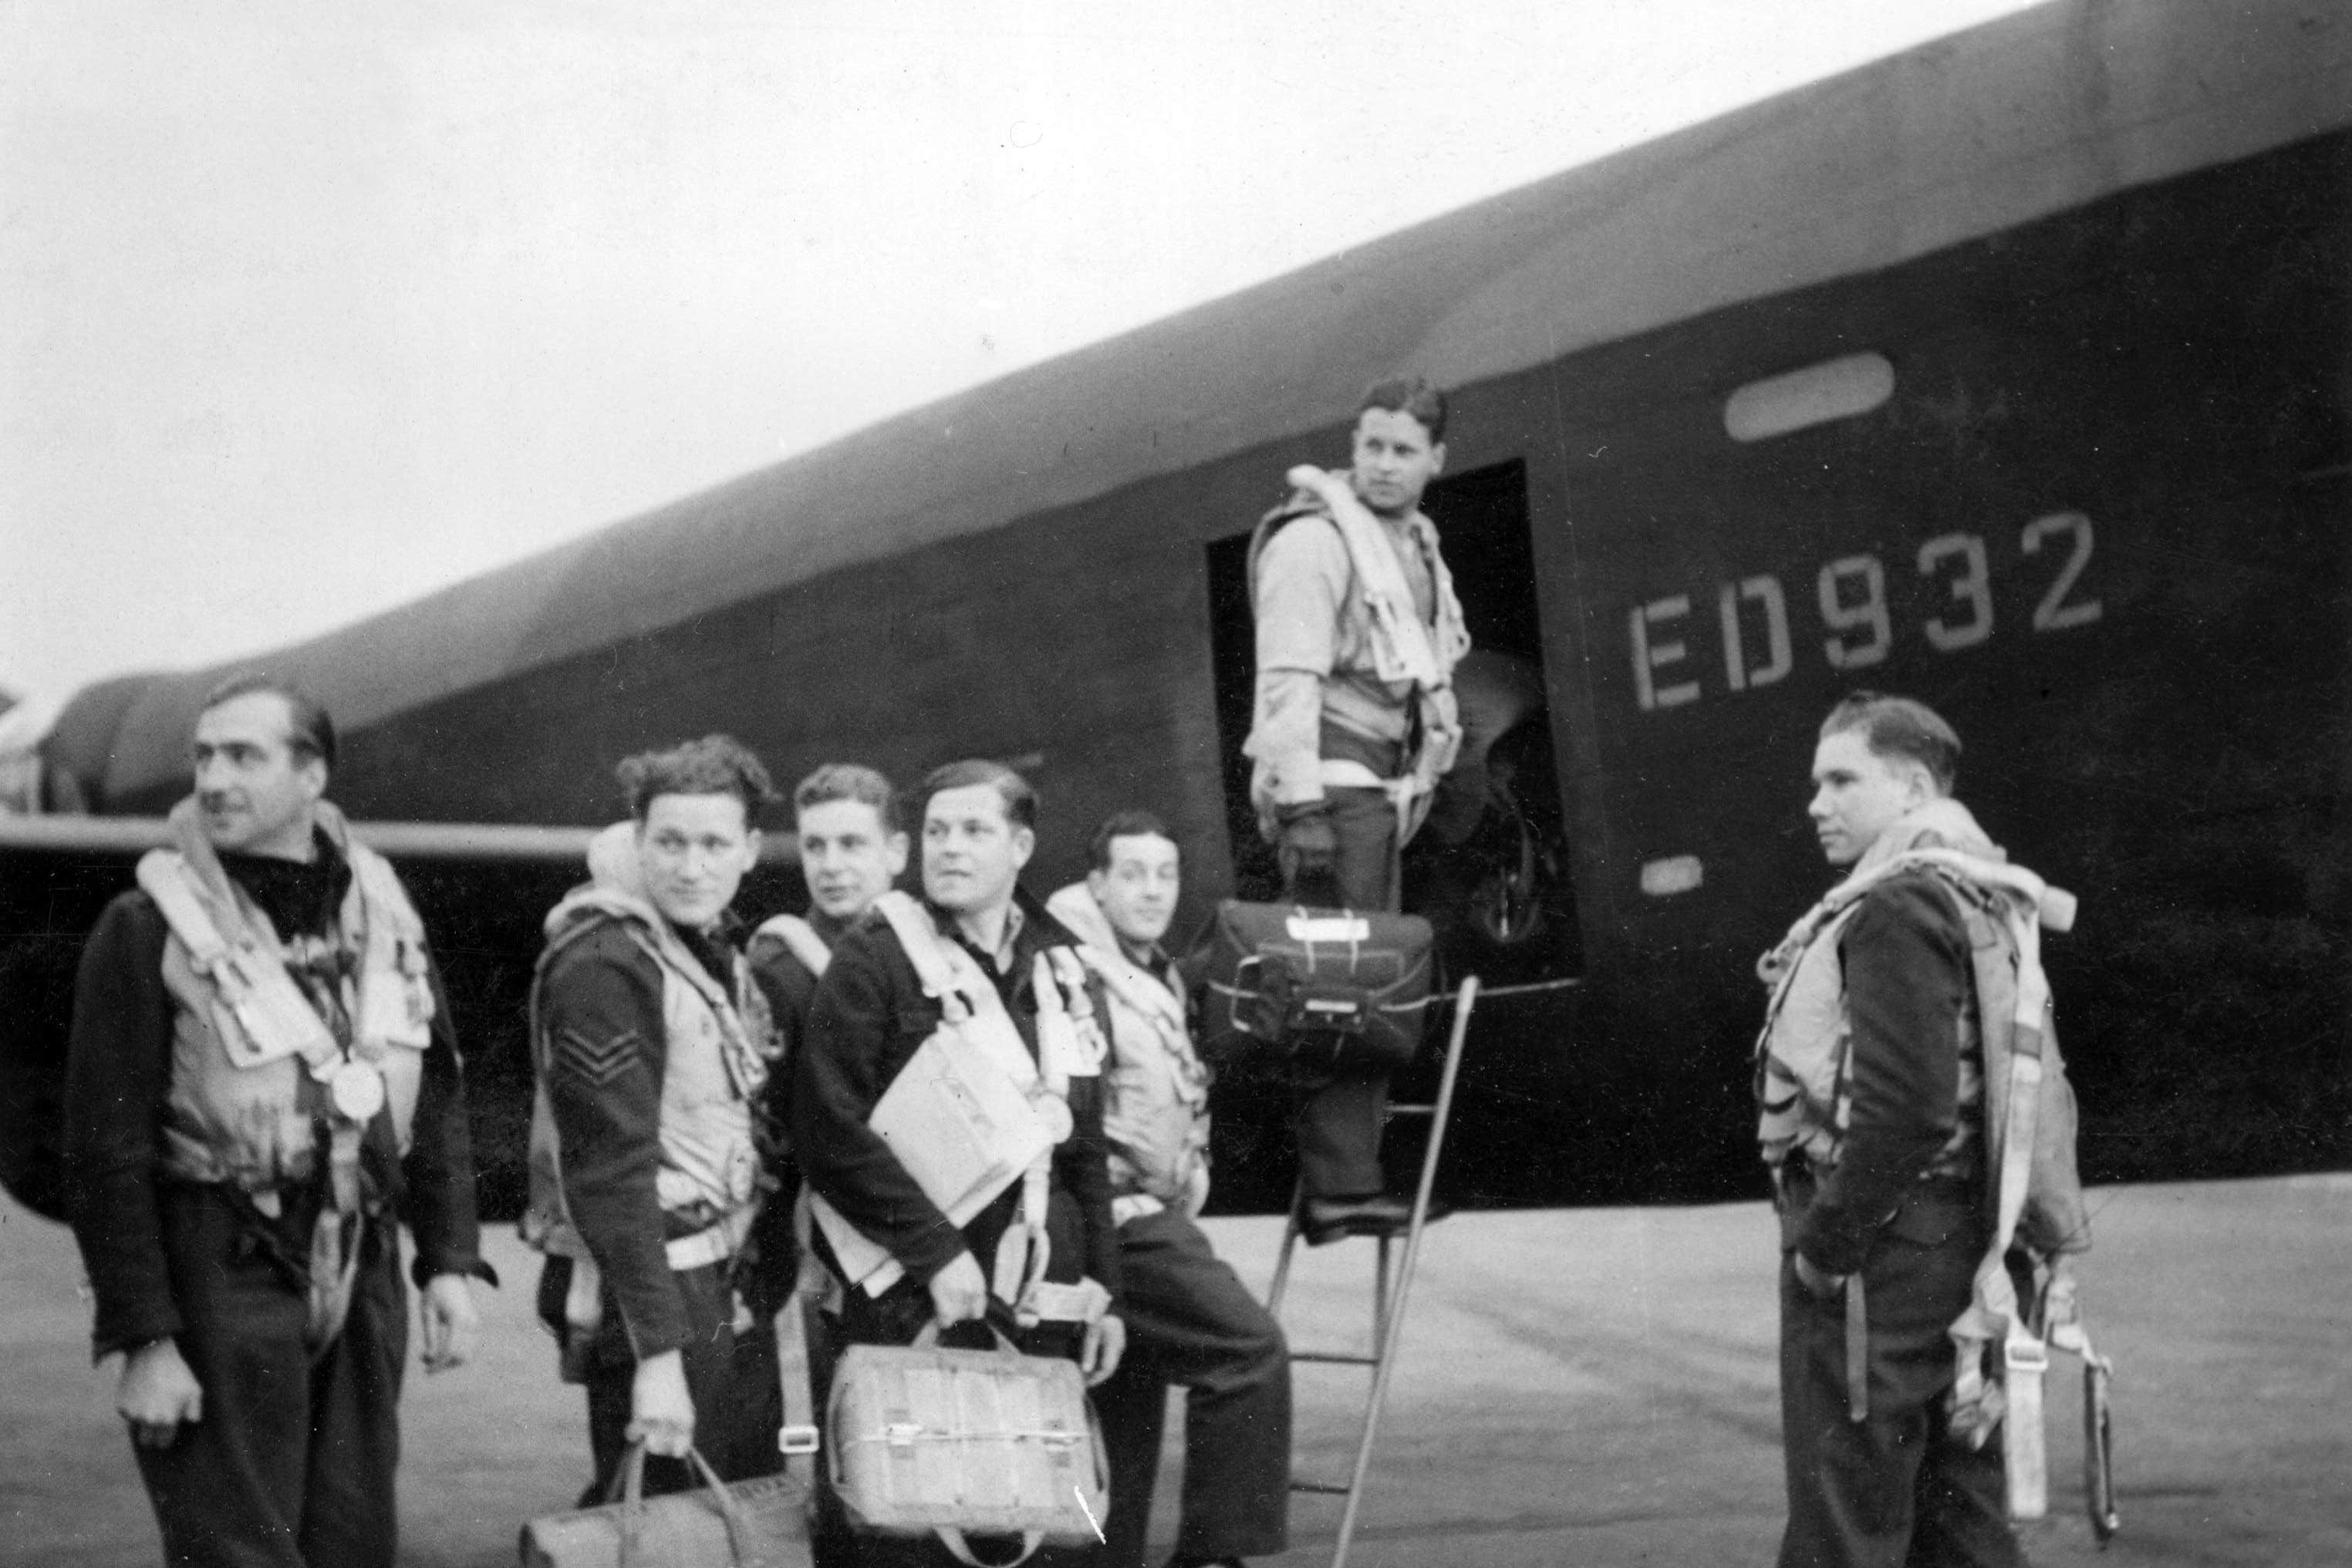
(1192, 1323)
(291, 1465)
(1340, 1114)
(732, 1413)
(1897, 1489)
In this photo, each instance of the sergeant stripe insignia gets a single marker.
(598, 1062)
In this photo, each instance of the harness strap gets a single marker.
(583, 1299)
(800, 937)
(713, 1243)
(1406, 795)
(1857, 1352)
(278, 1021)
(1994, 1311)
(1026, 1247)
(920, 939)
(335, 1238)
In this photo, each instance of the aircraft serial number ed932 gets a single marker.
(1850, 595)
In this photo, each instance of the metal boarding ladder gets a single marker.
(1391, 1290)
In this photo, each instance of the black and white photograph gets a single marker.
(826, 786)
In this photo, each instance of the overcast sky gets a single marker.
(313, 308)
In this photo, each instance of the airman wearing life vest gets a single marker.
(1191, 1320)
(1012, 1212)
(261, 1081)
(1916, 1119)
(1354, 724)
(653, 1048)
(853, 849)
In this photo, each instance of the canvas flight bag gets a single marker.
(1329, 987)
(926, 1440)
(760, 1523)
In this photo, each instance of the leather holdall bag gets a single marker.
(760, 1523)
(924, 1439)
(1325, 988)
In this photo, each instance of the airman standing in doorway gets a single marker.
(1358, 635)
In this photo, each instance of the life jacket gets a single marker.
(1156, 1088)
(717, 1053)
(999, 1114)
(1804, 1059)
(1415, 658)
(257, 1067)
(1803, 1053)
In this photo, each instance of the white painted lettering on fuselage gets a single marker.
(1850, 597)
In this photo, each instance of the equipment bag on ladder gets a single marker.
(1331, 987)
(1391, 1287)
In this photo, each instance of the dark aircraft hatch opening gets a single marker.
(1490, 868)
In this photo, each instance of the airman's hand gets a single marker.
(1308, 846)
(451, 1326)
(959, 1291)
(1821, 1286)
(157, 1394)
(661, 1411)
(1106, 1342)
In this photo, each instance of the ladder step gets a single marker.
(1335, 1357)
(1329, 1488)
(1412, 1110)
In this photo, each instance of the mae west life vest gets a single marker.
(717, 1054)
(1415, 658)
(971, 1114)
(1802, 1054)
(256, 1067)
(1155, 1086)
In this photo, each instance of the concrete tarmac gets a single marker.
(1589, 1387)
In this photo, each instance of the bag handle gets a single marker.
(953, 1539)
(928, 1336)
(628, 1489)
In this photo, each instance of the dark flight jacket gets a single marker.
(868, 1018)
(606, 990)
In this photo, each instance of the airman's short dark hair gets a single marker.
(1019, 799)
(850, 781)
(308, 731)
(715, 765)
(1126, 825)
(1900, 727)
(1408, 394)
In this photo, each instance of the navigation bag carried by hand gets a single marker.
(760, 1523)
(1329, 987)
